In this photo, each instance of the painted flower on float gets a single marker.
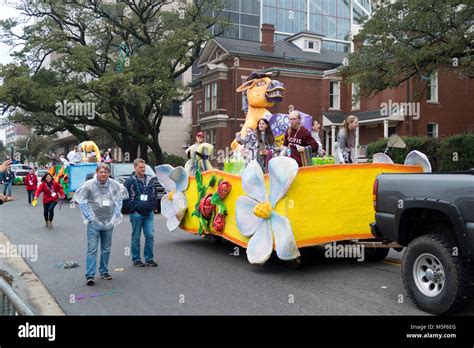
(174, 203)
(255, 213)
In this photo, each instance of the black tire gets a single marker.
(375, 254)
(452, 291)
(158, 206)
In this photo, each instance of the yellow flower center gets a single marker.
(170, 195)
(263, 210)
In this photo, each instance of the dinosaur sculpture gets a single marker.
(261, 92)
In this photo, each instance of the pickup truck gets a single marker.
(432, 215)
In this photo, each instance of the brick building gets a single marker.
(309, 73)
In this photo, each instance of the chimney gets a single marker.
(268, 31)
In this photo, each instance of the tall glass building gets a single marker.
(335, 19)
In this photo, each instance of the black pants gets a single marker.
(49, 211)
(31, 195)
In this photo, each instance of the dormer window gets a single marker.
(306, 41)
(312, 45)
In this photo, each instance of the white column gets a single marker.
(333, 140)
(385, 129)
(326, 138)
(356, 152)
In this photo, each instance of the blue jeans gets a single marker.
(94, 233)
(138, 222)
(7, 187)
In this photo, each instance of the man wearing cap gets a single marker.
(199, 154)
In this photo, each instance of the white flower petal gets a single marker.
(180, 177)
(285, 243)
(253, 181)
(179, 205)
(172, 223)
(247, 221)
(167, 209)
(163, 175)
(260, 246)
(282, 171)
(417, 158)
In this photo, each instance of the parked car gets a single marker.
(432, 216)
(121, 172)
(21, 171)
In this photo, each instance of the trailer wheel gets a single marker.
(436, 278)
(376, 254)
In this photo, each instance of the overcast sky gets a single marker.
(6, 11)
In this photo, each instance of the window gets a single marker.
(312, 45)
(214, 96)
(199, 110)
(211, 137)
(334, 95)
(207, 98)
(355, 96)
(432, 94)
(432, 130)
(175, 109)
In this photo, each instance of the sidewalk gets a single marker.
(27, 285)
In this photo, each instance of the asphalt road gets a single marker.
(198, 277)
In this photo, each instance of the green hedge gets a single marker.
(455, 153)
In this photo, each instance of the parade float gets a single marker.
(285, 210)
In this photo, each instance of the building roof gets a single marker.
(283, 50)
(338, 117)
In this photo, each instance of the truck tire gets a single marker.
(375, 254)
(435, 276)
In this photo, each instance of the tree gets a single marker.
(120, 58)
(34, 148)
(412, 38)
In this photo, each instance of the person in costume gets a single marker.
(259, 144)
(51, 190)
(31, 185)
(346, 140)
(298, 141)
(199, 155)
(100, 201)
(90, 151)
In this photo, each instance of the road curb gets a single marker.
(27, 284)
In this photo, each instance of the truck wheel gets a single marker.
(436, 278)
(376, 254)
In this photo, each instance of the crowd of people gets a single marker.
(100, 201)
(300, 143)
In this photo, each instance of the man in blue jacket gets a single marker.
(5, 166)
(141, 204)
